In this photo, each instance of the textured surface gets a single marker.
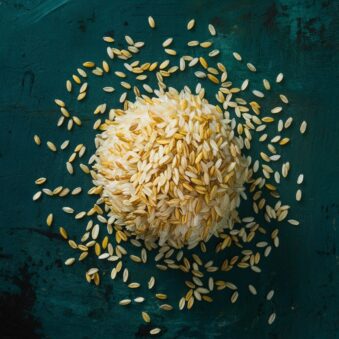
(42, 42)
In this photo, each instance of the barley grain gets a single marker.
(155, 331)
(125, 302)
(82, 72)
(49, 219)
(251, 67)
(293, 222)
(134, 285)
(252, 289)
(63, 233)
(234, 297)
(51, 146)
(212, 30)
(266, 84)
(151, 283)
(68, 210)
(40, 181)
(214, 53)
(258, 94)
(237, 56)
(271, 318)
(69, 168)
(270, 295)
(166, 307)
(300, 179)
(283, 98)
(170, 51)
(146, 317)
(277, 109)
(298, 195)
(37, 195)
(151, 22)
(106, 39)
(167, 42)
(279, 78)
(190, 24)
(69, 261)
(76, 79)
(303, 127)
(288, 122)
(68, 86)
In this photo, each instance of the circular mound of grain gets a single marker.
(170, 169)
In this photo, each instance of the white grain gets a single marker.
(125, 302)
(68, 210)
(167, 42)
(277, 109)
(37, 195)
(300, 179)
(237, 56)
(303, 127)
(108, 89)
(270, 295)
(279, 78)
(251, 67)
(69, 261)
(51, 146)
(252, 289)
(271, 318)
(283, 98)
(155, 331)
(212, 30)
(69, 168)
(293, 222)
(151, 22)
(266, 84)
(298, 195)
(190, 24)
(69, 86)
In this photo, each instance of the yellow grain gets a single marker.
(89, 64)
(76, 79)
(190, 24)
(49, 219)
(151, 22)
(63, 233)
(146, 317)
(284, 141)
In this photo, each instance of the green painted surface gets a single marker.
(41, 44)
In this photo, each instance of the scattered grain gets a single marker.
(155, 331)
(237, 56)
(190, 24)
(37, 195)
(303, 127)
(212, 30)
(270, 295)
(167, 42)
(279, 78)
(298, 195)
(69, 261)
(51, 146)
(49, 219)
(252, 289)
(151, 22)
(271, 318)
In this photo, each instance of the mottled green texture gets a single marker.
(42, 42)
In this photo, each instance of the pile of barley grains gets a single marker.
(171, 168)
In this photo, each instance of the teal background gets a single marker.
(41, 44)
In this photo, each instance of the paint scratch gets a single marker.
(42, 11)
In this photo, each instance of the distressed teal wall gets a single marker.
(41, 43)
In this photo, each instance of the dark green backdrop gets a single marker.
(41, 43)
